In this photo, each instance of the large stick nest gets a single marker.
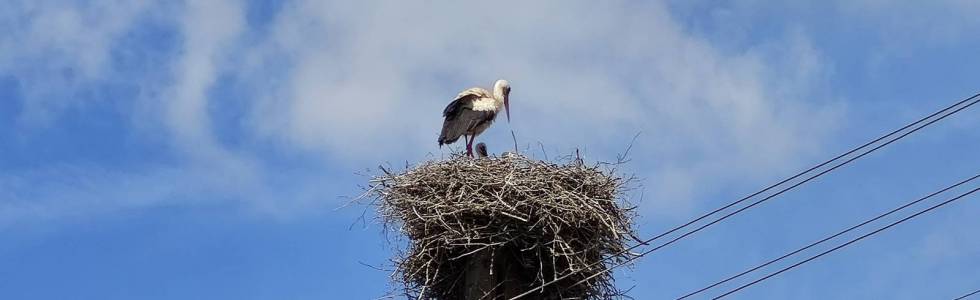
(548, 219)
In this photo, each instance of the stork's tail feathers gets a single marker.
(445, 140)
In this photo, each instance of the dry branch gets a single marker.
(544, 219)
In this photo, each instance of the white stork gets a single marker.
(481, 150)
(472, 112)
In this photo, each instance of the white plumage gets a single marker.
(472, 112)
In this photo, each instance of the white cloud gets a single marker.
(65, 191)
(360, 83)
(209, 29)
(59, 192)
(367, 77)
(55, 46)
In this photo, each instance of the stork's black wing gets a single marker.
(453, 108)
(461, 118)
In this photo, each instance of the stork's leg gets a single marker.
(469, 146)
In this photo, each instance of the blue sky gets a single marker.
(203, 150)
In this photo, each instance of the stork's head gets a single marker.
(481, 150)
(502, 88)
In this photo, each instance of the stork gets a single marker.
(481, 150)
(472, 111)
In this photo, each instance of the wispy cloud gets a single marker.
(354, 84)
(209, 30)
(55, 47)
(376, 76)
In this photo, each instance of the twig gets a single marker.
(558, 218)
(515, 141)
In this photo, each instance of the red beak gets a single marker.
(507, 106)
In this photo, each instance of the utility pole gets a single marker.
(479, 281)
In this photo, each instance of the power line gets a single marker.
(968, 295)
(848, 243)
(883, 137)
(646, 242)
(830, 237)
